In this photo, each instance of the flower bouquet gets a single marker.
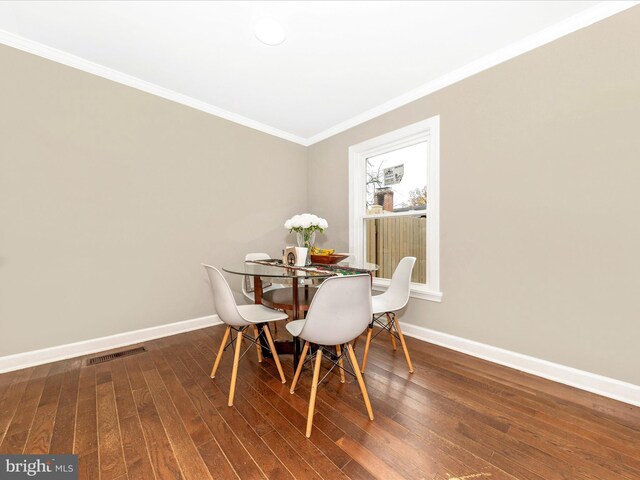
(306, 226)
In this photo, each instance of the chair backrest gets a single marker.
(398, 292)
(247, 282)
(339, 311)
(256, 256)
(223, 300)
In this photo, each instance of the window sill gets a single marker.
(417, 291)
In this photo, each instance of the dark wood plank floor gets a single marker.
(159, 415)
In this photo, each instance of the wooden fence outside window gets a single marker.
(390, 239)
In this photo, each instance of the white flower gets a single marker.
(306, 221)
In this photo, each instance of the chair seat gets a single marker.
(380, 304)
(260, 314)
(295, 327)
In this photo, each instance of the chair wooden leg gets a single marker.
(220, 351)
(234, 372)
(355, 342)
(274, 352)
(303, 357)
(363, 387)
(340, 362)
(256, 334)
(314, 390)
(396, 323)
(390, 325)
(366, 348)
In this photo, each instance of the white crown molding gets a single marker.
(45, 51)
(588, 17)
(591, 382)
(584, 19)
(85, 347)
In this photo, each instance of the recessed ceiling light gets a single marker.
(269, 31)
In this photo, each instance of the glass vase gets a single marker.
(306, 239)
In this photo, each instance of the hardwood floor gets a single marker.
(159, 415)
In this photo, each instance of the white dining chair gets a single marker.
(247, 284)
(389, 302)
(239, 318)
(248, 287)
(339, 312)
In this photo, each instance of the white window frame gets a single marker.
(427, 130)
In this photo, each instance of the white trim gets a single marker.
(426, 130)
(85, 347)
(408, 213)
(433, 207)
(591, 382)
(416, 290)
(74, 61)
(581, 20)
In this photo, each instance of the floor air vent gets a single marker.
(113, 356)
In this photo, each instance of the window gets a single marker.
(394, 195)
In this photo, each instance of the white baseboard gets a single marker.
(591, 382)
(85, 347)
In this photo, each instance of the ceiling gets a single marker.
(341, 63)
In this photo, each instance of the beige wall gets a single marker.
(110, 199)
(540, 202)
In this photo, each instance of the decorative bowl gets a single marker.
(329, 259)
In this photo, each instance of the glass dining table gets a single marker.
(295, 298)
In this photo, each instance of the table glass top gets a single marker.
(279, 271)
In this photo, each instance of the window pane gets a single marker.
(387, 240)
(397, 180)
